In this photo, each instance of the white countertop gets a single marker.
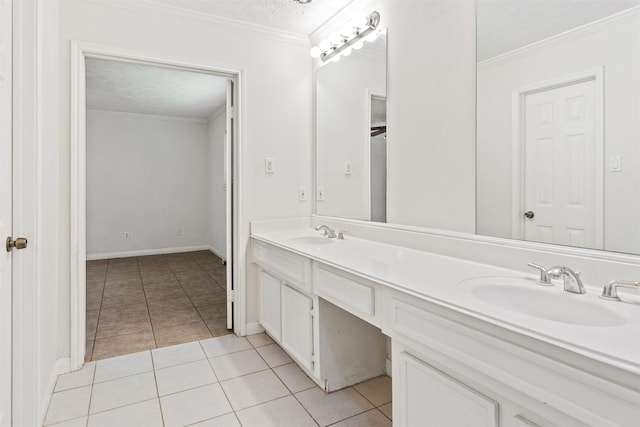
(437, 278)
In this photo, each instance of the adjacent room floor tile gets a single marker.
(143, 414)
(123, 391)
(329, 408)
(387, 410)
(68, 404)
(178, 334)
(123, 344)
(285, 411)
(194, 405)
(253, 389)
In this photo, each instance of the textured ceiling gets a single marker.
(147, 89)
(505, 25)
(281, 14)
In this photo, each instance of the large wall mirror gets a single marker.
(558, 122)
(351, 138)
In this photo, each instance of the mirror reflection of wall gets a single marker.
(351, 160)
(558, 137)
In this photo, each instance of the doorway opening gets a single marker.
(154, 203)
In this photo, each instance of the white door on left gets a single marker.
(5, 209)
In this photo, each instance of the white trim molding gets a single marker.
(148, 7)
(584, 30)
(145, 252)
(517, 145)
(80, 51)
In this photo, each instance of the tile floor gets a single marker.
(148, 302)
(221, 381)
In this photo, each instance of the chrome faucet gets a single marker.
(610, 290)
(544, 276)
(327, 231)
(572, 282)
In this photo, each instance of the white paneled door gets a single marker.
(560, 166)
(5, 210)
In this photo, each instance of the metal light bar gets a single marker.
(373, 20)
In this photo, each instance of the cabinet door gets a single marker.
(270, 304)
(297, 324)
(428, 397)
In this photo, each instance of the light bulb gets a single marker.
(372, 37)
(358, 45)
(335, 39)
(346, 52)
(335, 58)
(315, 52)
(325, 45)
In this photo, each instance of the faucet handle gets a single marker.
(610, 290)
(340, 235)
(544, 277)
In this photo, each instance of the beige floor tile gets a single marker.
(387, 410)
(274, 355)
(179, 334)
(123, 391)
(159, 308)
(183, 377)
(372, 418)
(122, 344)
(333, 407)
(161, 285)
(294, 378)
(213, 311)
(376, 390)
(209, 299)
(259, 340)
(130, 326)
(253, 389)
(88, 350)
(195, 405)
(157, 276)
(91, 324)
(123, 298)
(142, 414)
(190, 276)
(218, 327)
(114, 314)
(237, 364)
(68, 404)
(220, 332)
(225, 345)
(174, 317)
(184, 266)
(285, 411)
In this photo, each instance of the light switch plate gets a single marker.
(302, 193)
(320, 194)
(269, 165)
(347, 167)
(615, 164)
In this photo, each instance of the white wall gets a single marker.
(614, 46)
(343, 132)
(146, 175)
(217, 216)
(275, 108)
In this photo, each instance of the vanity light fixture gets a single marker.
(302, 1)
(351, 36)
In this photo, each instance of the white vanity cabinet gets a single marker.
(297, 325)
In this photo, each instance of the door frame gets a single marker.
(518, 152)
(80, 51)
(366, 168)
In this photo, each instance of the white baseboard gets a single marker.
(62, 366)
(220, 254)
(254, 328)
(143, 252)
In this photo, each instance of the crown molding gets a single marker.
(228, 24)
(574, 33)
(336, 21)
(145, 116)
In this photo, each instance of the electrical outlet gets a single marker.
(302, 193)
(179, 231)
(269, 165)
(126, 235)
(347, 167)
(320, 194)
(615, 164)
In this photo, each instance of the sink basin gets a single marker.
(525, 297)
(312, 240)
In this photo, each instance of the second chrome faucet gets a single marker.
(572, 281)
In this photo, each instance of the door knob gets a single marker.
(529, 214)
(19, 243)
